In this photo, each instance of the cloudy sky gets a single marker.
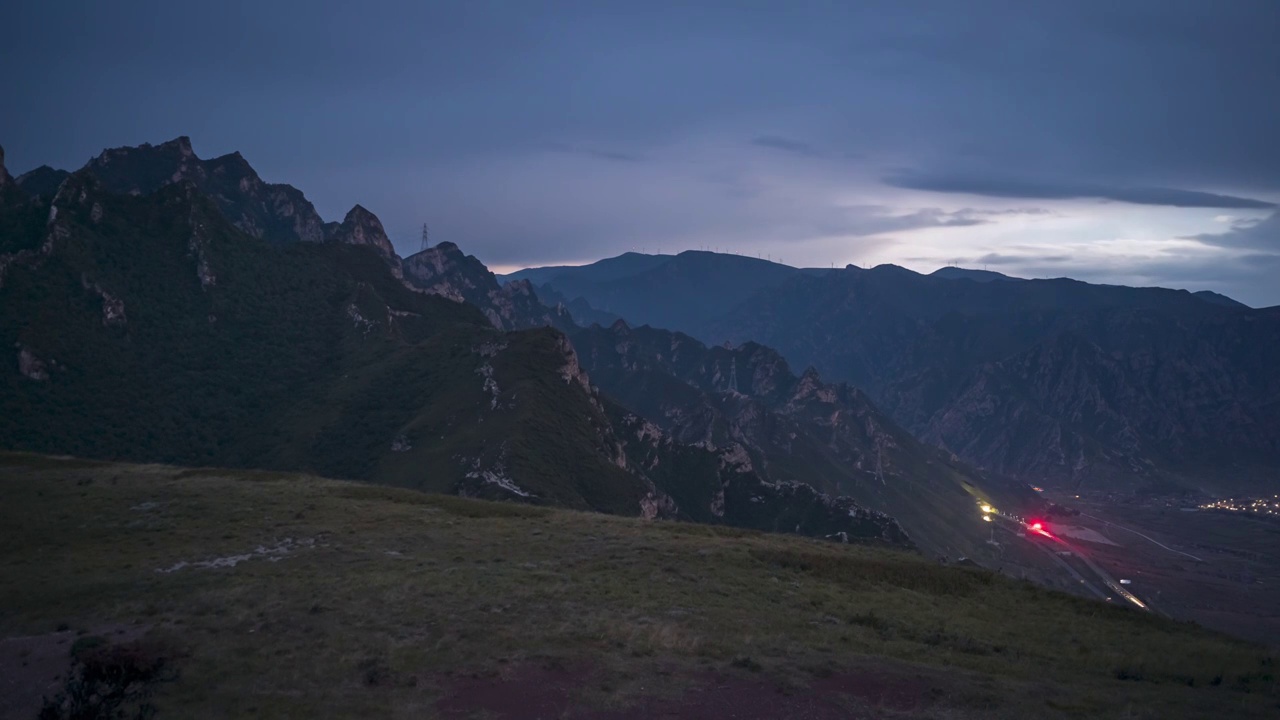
(1119, 141)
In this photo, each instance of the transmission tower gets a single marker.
(426, 242)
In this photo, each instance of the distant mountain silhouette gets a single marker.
(1055, 382)
(1219, 299)
(624, 265)
(958, 273)
(677, 292)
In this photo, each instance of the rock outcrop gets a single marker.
(41, 182)
(361, 227)
(446, 271)
(1057, 382)
(277, 213)
(745, 405)
(30, 366)
(188, 326)
(719, 485)
(1131, 400)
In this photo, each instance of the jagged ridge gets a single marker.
(745, 403)
(151, 322)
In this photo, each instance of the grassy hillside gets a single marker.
(334, 599)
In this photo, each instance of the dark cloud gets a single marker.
(1261, 234)
(1248, 278)
(1010, 188)
(448, 109)
(867, 220)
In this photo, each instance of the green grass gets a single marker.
(389, 595)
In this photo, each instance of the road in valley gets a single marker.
(1043, 547)
(1051, 543)
(1135, 532)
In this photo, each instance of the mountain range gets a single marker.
(682, 292)
(1057, 383)
(793, 429)
(165, 308)
(162, 307)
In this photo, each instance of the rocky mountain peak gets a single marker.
(43, 181)
(443, 270)
(234, 164)
(180, 144)
(146, 168)
(446, 271)
(811, 387)
(279, 214)
(361, 227)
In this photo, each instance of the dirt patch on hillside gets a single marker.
(530, 692)
(34, 667)
(854, 695)
(524, 691)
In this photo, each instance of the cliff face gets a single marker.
(1056, 382)
(149, 327)
(361, 227)
(694, 471)
(21, 218)
(446, 271)
(746, 405)
(1127, 398)
(43, 181)
(147, 320)
(276, 213)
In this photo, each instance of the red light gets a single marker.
(1037, 526)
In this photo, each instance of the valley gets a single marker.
(620, 519)
(640, 360)
(1115, 492)
(1220, 570)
